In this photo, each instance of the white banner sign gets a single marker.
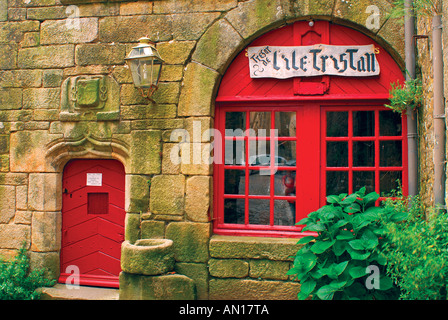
(316, 60)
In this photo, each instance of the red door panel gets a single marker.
(92, 221)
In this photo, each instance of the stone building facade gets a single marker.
(51, 50)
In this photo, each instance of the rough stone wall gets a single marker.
(46, 45)
(425, 114)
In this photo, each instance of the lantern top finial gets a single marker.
(145, 40)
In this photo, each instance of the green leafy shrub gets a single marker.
(335, 263)
(408, 95)
(416, 249)
(17, 282)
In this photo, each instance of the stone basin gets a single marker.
(147, 256)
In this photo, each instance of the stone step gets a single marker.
(70, 292)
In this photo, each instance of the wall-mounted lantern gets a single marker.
(145, 64)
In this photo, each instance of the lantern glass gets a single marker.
(145, 72)
(145, 65)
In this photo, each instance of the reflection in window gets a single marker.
(363, 123)
(337, 154)
(284, 213)
(337, 124)
(337, 182)
(234, 211)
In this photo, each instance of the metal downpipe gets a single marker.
(409, 25)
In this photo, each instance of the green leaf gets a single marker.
(386, 283)
(304, 262)
(357, 272)
(321, 246)
(337, 285)
(333, 199)
(306, 288)
(350, 199)
(326, 292)
(353, 208)
(340, 267)
(361, 192)
(339, 247)
(304, 221)
(357, 244)
(370, 198)
(358, 254)
(372, 213)
(317, 227)
(345, 235)
(398, 216)
(306, 240)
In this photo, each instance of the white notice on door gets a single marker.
(95, 179)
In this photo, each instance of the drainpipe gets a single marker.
(439, 113)
(409, 25)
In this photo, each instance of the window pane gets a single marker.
(337, 154)
(234, 211)
(234, 181)
(284, 213)
(260, 124)
(390, 123)
(234, 152)
(285, 123)
(337, 182)
(259, 153)
(389, 182)
(337, 124)
(286, 153)
(284, 183)
(363, 123)
(364, 179)
(259, 182)
(259, 211)
(363, 153)
(390, 154)
(235, 124)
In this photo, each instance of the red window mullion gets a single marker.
(350, 152)
(272, 169)
(377, 151)
(246, 173)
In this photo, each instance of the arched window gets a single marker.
(288, 143)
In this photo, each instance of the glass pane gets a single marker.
(260, 124)
(337, 154)
(390, 153)
(235, 124)
(285, 123)
(364, 179)
(259, 211)
(259, 153)
(337, 182)
(337, 124)
(234, 211)
(363, 153)
(285, 183)
(234, 152)
(284, 212)
(363, 123)
(390, 123)
(259, 182)
(234, 181)
(389, 181)
(286, 153)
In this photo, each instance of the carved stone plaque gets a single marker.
(90, 98)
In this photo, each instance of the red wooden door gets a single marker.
(92, 222)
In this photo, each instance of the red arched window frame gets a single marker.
(317, 104)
